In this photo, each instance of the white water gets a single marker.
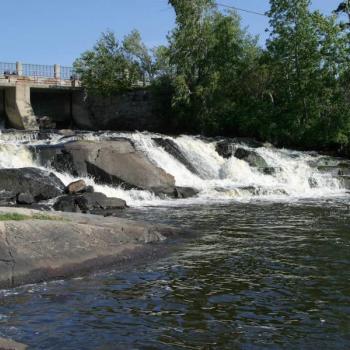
(217, 178)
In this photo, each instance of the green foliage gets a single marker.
(209, 51)
(306, 55)
(294, 93)
(112, 67)
(21, 217)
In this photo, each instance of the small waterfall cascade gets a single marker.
(263, 172)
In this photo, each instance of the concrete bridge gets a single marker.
(30, 91)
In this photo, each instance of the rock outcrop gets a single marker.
(60, 245)
(34, 182)
(114, 162)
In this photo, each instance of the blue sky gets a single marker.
(48, 32)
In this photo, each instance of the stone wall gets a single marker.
(55, 104)
(129, 111)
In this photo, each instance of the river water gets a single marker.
(265, 269)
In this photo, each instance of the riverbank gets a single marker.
(38, 247)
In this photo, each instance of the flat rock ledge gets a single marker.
(8, 344)
(38, 246)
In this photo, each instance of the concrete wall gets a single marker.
(2, 108)
(129, 111)
(53, 103)
(18, 107)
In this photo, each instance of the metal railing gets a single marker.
(7, 68)
(38, 71)
(68, 73)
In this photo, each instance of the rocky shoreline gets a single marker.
(36, 247)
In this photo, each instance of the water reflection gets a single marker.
(255, 276)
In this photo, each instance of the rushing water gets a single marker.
(265, 269)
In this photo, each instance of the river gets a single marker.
(267, 269)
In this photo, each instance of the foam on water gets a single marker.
(217, 178)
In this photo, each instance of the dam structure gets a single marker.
(29, 91)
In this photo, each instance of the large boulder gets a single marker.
(40, 184)
(115, 162)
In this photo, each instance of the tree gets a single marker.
(138, 53)
(105, 69)
(208, 50)
(307, 55)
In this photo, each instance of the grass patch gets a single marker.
(21, 217)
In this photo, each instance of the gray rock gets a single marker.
(95, 203)
(251, 157)
(70, 244)
(38, 183)
(25, 198)
(114, 162)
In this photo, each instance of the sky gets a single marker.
(49, 32)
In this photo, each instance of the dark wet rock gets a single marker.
(225, 148)
(172, 148)
(185, 192)
(40, 184)
(114, 162)
(46, 123)
(270, 170)
(78, 186)
(251, 157)
(25, 198)
(88, 203)
(177, 192)
(7, 198)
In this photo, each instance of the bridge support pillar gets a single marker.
(18, 107)
(19, 68)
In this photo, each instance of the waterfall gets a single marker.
(290, 174)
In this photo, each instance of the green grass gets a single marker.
(21, 217)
